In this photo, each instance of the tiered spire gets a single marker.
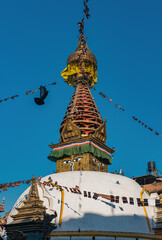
(83, 132)
(83, 112)
(32, 208)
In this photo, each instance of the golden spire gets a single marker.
(32, 208)
(72, 74)
(33, 193)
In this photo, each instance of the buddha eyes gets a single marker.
(66, 161)
(77, 159)
(95, 160)
(98, 162)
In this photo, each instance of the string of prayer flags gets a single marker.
(82, 38)
(110, 100)
(27, 93)
(5, 186)
(86, 10)
(134, 118)
(81, 25)
(83, 43)
(145, 125)
(94, 195)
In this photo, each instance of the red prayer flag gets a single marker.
(156, 133)
(135, 118)
(31, 91)
(17, 184)
(28, 181)
(10, 185)
(13, 97)
(6, 99)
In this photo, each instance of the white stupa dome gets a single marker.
(93, 209)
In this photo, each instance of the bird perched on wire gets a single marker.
(43, 95)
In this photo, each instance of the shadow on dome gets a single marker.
(94, 222)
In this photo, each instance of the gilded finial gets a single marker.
(33, 193)
(72, 73)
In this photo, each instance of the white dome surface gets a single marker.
(85, 213)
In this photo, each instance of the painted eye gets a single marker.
(95, 160)
(66, 161)
(77, 159)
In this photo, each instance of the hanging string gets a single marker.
(75, 190)
(82, 37)
(26, 93)
(5, 186)
(86, 10)
(133, 117)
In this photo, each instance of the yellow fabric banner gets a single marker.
(75, 68)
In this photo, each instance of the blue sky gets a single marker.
(36, 39)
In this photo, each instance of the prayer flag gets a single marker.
(28, 181)
(135, 118)
(13, 97)
(156, 133)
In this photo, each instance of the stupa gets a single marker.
(82, 198)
